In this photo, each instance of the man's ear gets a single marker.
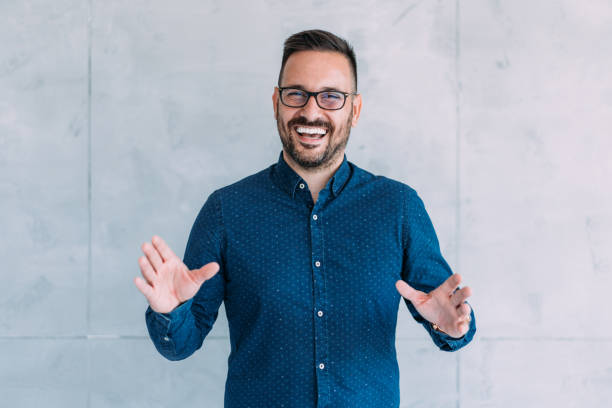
(275, 101)
(356, 109)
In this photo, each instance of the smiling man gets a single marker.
(311, 257)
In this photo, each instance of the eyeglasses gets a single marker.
(297, 98)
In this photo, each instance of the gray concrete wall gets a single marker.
(116, 122)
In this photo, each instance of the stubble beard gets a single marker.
(336, 142)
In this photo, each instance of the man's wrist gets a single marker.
(437, 328)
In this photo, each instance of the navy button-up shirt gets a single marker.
(309, 288)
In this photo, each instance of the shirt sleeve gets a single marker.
(424, 268)
(178, 334)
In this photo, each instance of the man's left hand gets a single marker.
(443, 305)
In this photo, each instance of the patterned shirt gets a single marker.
(308, 287)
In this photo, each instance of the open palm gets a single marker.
(443, 305)
(168, 282)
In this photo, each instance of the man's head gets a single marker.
(315, 61)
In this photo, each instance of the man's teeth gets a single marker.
(311, 131)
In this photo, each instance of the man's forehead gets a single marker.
(306, 88)
(320, 69)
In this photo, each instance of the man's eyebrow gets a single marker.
(325, 88)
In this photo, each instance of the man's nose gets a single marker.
(311, 109)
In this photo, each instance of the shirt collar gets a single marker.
(288, 179)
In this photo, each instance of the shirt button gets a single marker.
(320, 313)
(321, 366)
(166, 338)
(302, 185)
(314, 217)
(317, 263)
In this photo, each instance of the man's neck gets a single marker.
(316, 178)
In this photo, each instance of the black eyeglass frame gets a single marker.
(314, 94)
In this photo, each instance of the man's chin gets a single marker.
(307, 156)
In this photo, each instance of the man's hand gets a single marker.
(168, 280)
(442, 306)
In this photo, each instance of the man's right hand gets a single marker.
(168, 282)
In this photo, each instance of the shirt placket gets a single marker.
(320, 302)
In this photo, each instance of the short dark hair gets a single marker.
(318, 40)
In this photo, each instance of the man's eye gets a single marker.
(331, 96)
(295, 93)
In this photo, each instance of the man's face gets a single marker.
(315, 71)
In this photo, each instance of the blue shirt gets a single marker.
(309, 288)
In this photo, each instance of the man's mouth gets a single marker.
(310, 134)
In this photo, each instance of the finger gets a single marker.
(459, 296)
(206, 272)
(152, 255)
(147, 270)
(450, 284)
(144, 287)
(163, 249)
(464, 310)
(463, 328)
(462, 325)
(407, 291)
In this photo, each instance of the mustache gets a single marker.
(304, 122)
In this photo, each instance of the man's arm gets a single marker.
(179, 333)
(425, 269)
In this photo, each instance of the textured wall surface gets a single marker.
(117, 119)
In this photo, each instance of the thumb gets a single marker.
(206, 272)
(406, 290)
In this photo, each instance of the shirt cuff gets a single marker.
(162, 321)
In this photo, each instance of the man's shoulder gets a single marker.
(252, 182)
(380, 181)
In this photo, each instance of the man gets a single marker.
(310, 257)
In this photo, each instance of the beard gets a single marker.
(305, 155)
